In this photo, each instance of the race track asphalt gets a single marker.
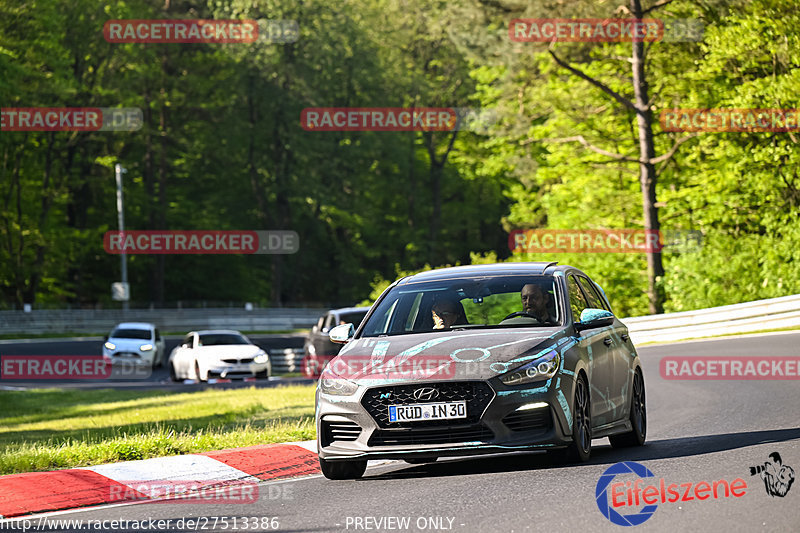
(698, 431)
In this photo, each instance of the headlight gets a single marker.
(330, 383)
(146, 347)
(110, 345)
(260, 358)
(539, 369)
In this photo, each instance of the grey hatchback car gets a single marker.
(480, 359)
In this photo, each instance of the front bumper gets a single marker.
(237, 371)
(353, 427)
(129, 357)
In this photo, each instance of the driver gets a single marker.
(536, 302)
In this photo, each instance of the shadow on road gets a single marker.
(657, 449)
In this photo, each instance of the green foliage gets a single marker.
(222, 148)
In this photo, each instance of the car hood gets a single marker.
(445, 355)
(227, 351)
(129, 345)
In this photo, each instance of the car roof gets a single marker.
(345, 310)
(494, 269)
(216, 331)
(135, 325)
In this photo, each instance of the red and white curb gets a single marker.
(36, 492)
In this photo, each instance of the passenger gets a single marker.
(446, 313)
(536, 302)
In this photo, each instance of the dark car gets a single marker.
(318, 348)
(480, 359)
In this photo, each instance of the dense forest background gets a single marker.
(222, 148)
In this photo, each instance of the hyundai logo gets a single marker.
(426, 394)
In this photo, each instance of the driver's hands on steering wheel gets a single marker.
(521, 313)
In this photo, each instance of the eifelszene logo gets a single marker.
(601, 494)
(630, 493)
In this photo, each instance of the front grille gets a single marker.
(237, 361)
(431, 435)
(231, 375)
(529, 420)
(478, 394)
(339, 431)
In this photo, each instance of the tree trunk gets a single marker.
(436, 173)
(647, 177)
(436, 213)
(162, 197)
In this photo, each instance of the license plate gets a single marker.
(427, 411)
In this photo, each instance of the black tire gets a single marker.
(581, 447)
(172, 374)
(638, 417)
(342, 469)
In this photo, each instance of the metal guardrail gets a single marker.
(176, 320)
(286, 360)
(737, 318)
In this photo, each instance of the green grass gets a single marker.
(47, 429)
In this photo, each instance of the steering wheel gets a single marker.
(521, 313)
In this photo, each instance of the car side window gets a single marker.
(382, 322)
(329, 321)
(158, 335)
(591, 296)
(187, 341)
(601, 296)
(577, 301)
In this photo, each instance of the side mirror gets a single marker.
(105, 338)
(342, 333)
(594, 318)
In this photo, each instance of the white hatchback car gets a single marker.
(137, 343)
(211, 354)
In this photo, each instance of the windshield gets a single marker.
(216, 339)
(126, 333)
(352, 318)
(503, 301)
